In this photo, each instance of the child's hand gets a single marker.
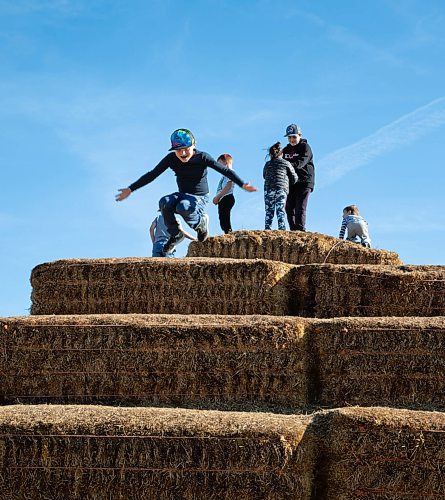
(216, 200)
(248, 187)
(123, 193)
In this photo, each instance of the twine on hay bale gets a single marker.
(98, 452)
(378, 361)
(216, 361)
(294, 247)
(328, 291)
(159, 285)
(383, 453)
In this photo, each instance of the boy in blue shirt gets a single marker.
(190, 167)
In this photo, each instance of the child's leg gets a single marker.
(191, 208)
(158, 250)
(269, 203)
(290, 208)
(224, 208)
(168, 205)
(301, 198)
(281, 214)
(366, 240)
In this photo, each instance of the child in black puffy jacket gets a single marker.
(278, 175)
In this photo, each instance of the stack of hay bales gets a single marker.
(145, 360)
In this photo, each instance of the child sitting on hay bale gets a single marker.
(159, 237)
(190, 167)
(356, 225)
(278, 174)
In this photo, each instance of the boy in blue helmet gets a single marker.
(190, 167)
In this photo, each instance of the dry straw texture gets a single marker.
(294, 247)
(215, 361)
(172, 286)
(88, 452)
(328, 291)
(378, 361)
(381, 453)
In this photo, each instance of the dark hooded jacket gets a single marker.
(278, 174)
(302, 160)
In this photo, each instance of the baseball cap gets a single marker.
(293, 129)
(181, 138)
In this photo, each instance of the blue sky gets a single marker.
(91, 90)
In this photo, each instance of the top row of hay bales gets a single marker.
(293, 247)
(235, 286)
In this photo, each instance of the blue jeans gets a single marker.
(274, 200)
(189, 206)
(158, 249)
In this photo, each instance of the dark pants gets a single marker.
(189, 206)
(224, 208)
(296, 204)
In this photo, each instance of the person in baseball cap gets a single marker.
(299, 153)
(190, 199)
(292, 129)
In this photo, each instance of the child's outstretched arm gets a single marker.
(248, 187)
(123, 193)
(152, 231)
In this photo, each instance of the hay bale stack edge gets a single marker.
(293, 247)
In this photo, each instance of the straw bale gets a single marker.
(378, 361)
(88, 452)
(329, 291)
(159, 285)
(206, 361)
(381, 453)
(294, 247)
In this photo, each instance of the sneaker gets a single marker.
(203, 228)
(172, 242)
(366, 245)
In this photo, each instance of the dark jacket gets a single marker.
(191, 177)
(278, 174)
(303, 162)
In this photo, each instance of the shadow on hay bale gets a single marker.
(293, 247)
(382, 453)
(329, 291)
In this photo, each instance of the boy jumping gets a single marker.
(190, 167)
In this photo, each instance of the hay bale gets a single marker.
(87, 452)
(159, 285)
(329, 291)
(294, 247)
(378, 361)
(383, 453)
(203, 361)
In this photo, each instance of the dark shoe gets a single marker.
(203, 228)
(366, 245)
(171, 243)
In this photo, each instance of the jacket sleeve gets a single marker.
(265, 169)
(343, 228)
(303, 160)
(151, 175)
(227, 172)
(293, 178)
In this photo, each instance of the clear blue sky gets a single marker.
(91, 90)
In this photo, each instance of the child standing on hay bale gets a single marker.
(159, 237)
(278, 174)
(356, 225)
(299, 153)
(224, 196)
(190, 167)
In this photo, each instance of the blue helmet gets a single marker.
(181, 138)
